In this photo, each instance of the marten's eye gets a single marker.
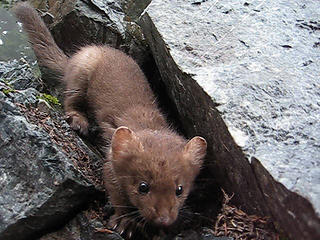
(143, 188)
(179, 190)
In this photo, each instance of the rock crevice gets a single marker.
(212, 77)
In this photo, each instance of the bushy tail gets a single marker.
(43, 44)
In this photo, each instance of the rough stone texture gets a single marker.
(77, 24)
(20, 74)
(257, 67)
(290, 210)
(133, 8)
(40, 186)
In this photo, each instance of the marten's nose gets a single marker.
(163, 220)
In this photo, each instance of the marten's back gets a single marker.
(115, 82)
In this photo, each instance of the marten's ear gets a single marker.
(195, 150)
(124, 143)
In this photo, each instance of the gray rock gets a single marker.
(134, 9)
(255, 63)
(40, 186)
(28, 97)
(20, 74)
(291, 211)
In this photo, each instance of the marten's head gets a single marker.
(156, 169)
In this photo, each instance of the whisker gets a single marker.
(122, 206)
(188, 215)
(144, 224)
(202, 216)
(140, 222)
(136, 219)
(126, 215)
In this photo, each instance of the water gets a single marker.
(13, 42)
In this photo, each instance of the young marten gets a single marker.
(149, 167)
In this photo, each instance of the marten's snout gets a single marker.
(163, 221)
(164, 216)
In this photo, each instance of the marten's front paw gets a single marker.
(77, 122)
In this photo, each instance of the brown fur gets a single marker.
(143, 147)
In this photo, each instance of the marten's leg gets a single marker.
(75, 100)
(77, 76)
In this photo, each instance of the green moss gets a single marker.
(7, 91)
(8, 87)
(7, 82)
(51, 100)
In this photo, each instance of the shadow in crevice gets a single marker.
(167, 106)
